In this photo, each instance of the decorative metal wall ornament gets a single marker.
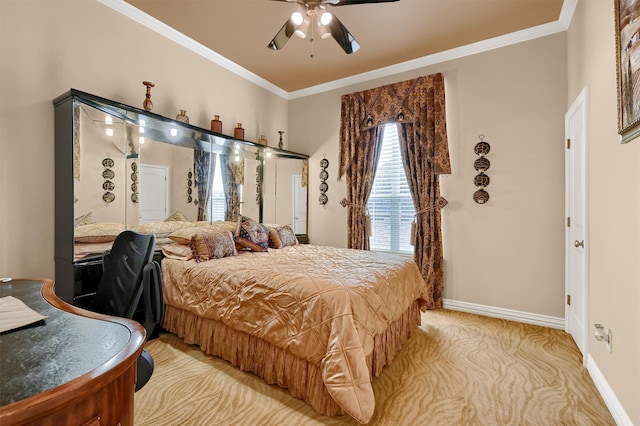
(481, 196)
(482, 164)
(324, 186)
(134, 182)
(481, 180)
(108, 174)
(189, 186)
(258, 183)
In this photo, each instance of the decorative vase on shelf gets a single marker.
(216, 124)
(262, 140)
(280, 144)
(238, 132)
(182, 117)
(147, 104)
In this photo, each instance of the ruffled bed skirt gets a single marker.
(278, 366)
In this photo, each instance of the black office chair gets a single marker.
(129, 273)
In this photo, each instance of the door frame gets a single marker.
(580, 105)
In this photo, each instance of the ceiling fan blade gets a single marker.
(344, 38)
(282, 37)
(350, 2)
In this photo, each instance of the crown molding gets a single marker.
(562, 24)
(163, 29)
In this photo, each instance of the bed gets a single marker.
(319, 321)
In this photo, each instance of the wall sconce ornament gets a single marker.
(324, 186)
(481, 164)
(108, 174)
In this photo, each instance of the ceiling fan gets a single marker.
(311, 16)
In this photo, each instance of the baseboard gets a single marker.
(508, 314)
(607, 394)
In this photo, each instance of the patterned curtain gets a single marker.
(203, 172)
(419, 106)
(232, 176)
(359, 184)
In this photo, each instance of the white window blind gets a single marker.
(390, 205)
(217, 201)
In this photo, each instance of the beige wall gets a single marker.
(614, 204)
(49, 47)
(509, 252)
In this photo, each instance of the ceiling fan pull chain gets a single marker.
(311, 39)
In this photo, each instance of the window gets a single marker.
(390, 205)
(217, 201)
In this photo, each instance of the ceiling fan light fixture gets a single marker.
(325, 18)
(297, 18)
(323, 31)
(302, 29)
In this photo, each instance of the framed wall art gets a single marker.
(627, 14)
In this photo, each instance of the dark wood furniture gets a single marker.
(73, 368)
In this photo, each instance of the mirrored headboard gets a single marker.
(123, 165)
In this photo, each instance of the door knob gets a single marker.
(577, 243)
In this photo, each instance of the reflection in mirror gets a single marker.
(99, 166)
(133, 167)
(285, 192)
(251, 188)
(164, 186)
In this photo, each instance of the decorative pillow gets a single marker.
(274, 238)
(177, 216)
(183, 236)
(251, 235)
(102, 232)
(85, 219)
(282, 236)
(177, 251)
(212, 244)
(161, 229)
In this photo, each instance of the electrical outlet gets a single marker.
(609, 339)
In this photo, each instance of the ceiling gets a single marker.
(389, 33)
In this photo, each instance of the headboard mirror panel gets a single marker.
(133, 167)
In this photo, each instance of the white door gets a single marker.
(154, 193)
(576, 235)
(299, 205)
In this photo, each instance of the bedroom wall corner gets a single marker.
(614, 208)
(505, 254)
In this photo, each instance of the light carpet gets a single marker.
(456, 369)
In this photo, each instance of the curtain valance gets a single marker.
(420, 101)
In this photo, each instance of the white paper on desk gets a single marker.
(14, 313)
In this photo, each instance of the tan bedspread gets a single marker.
(323, 304)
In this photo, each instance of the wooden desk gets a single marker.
(74, 368)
